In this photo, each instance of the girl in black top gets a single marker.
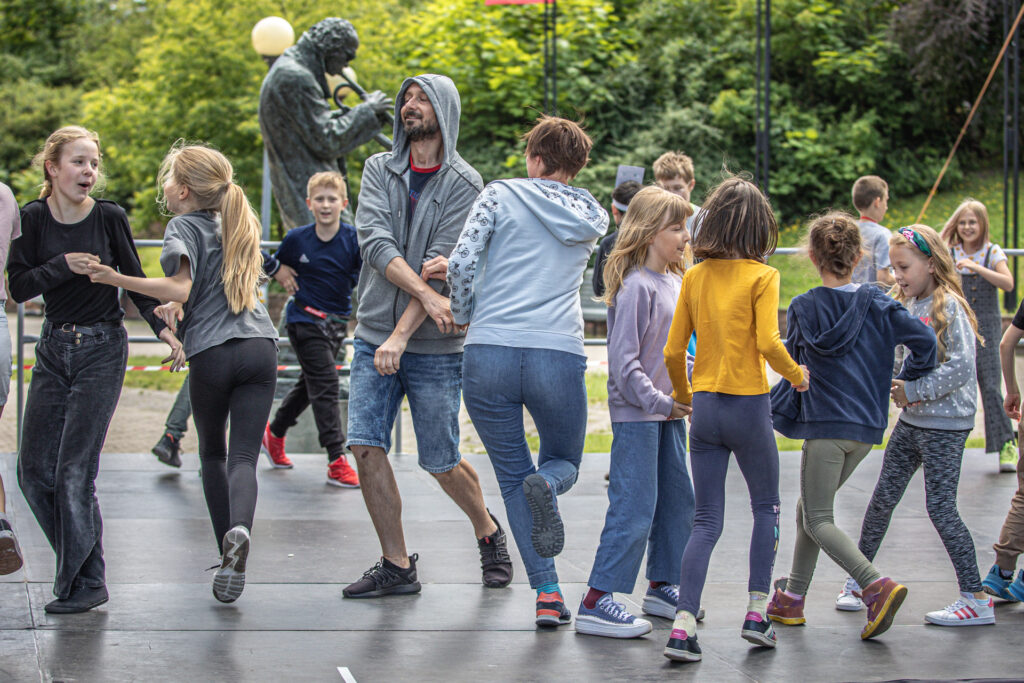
(80, 356)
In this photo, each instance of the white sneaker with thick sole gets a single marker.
(964, 612)
(849, 599)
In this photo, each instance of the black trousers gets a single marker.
(317, 346)
(235, 379)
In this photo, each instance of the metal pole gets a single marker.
(266, 195)
(1015, 49)
(554, 57)
(21, 373)
(547, 58)
(757, 97)
(767, 91)
(1006, 142)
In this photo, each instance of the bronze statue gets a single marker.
(302, 134)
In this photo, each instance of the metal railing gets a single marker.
(29, 339)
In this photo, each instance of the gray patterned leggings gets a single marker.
(940, 452)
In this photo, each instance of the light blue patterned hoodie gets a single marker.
(516, 270)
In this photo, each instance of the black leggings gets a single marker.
(236, 378)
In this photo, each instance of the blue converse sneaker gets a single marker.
(610, 619)
(662, 601)
(995, 584)
(1016, 589)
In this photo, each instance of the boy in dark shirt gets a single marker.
(325, 258)
(622, 195)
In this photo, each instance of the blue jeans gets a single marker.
(741, 425)
(76, 383)
(433, 383)
(497, 382)
(650, 505)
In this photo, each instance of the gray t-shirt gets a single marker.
(875, 240)
(208, 318)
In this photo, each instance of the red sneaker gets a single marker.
(340, 473)
(273, 446)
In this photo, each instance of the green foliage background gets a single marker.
(855, 88)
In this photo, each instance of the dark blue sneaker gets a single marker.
(547, 534)
(1016, 589)
(995, 584)
(610, 619)
(758, 630)
(682, 647)
(661, 602)
(551, 610)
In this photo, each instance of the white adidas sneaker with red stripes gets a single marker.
(966, 611)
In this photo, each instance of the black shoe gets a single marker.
(81, 600)
(494, 558)
(551, 610)
(547, 534)
(10, 553)
(682, 647)
(168, 449)
(385, 578)
(758, 630)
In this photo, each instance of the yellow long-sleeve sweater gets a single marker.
(733, 305)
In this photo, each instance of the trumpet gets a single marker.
(347, 83)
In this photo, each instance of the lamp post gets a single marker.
(271, 36)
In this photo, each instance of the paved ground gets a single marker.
(310, 540)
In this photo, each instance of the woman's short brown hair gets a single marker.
(736, 221)
(561, 144)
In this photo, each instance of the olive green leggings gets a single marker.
(825, 466)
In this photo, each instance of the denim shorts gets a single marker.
(5, 356)
(433, 384)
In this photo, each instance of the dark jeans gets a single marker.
(76, 383)
(177, 419)
(316, 345)
(233, 379)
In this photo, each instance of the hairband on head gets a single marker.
(915, 238)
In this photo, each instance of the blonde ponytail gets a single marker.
(209, 176)
(242, 270)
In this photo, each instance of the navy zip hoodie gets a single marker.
(847, 340)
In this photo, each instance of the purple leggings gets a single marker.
(724, 423)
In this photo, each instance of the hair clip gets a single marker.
(915, 238)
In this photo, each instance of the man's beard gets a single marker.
(417, 130)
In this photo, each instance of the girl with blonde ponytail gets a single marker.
(211, 256)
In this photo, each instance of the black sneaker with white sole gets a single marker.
(385, 578)
(168, 450)
(547, 534)
(758, 629)
(682, 647)
(229, 581)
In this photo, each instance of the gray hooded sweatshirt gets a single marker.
(386, 232)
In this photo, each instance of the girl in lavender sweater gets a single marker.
(650, 497)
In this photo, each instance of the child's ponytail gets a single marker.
(209, 177)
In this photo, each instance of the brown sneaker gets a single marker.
(784, 609)
(882, 598)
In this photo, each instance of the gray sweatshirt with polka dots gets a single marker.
(945, 398)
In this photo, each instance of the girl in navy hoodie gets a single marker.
(846, 335)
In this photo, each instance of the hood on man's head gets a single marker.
(444, 97)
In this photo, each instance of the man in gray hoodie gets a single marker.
(413, 203)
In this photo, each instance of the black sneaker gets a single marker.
(10, 553)
(547, 534)
(494, 558)
(385, 578)
(682, 647)
(81, 600)
(168, 449)
(551, 610)
(758, 630)
(229, 581)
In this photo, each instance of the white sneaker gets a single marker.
(966, 611)
(849, 600)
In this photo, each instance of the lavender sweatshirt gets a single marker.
(639, 389)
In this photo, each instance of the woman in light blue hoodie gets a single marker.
(515, 276)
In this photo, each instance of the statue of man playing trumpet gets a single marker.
(302, 134)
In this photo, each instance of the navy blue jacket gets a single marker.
(847, 340)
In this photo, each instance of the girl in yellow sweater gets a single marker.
(731, 300)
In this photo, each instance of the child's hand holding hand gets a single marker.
(805, 385)
(1011, 404)
(680, 410)
(899, 393)
(100, 273)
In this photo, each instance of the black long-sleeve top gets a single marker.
(37, 266)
